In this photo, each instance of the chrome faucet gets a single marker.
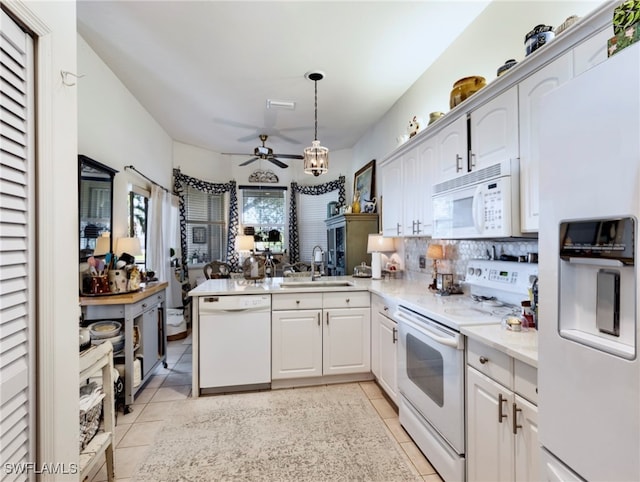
(317, 267)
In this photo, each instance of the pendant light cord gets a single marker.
(315, 136)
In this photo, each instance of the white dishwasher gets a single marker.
(234, 342)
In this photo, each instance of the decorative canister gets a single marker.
(566, 24)
(538, 37)
(465, 88)
(507, 65)
(434, 116)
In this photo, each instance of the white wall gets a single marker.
(56, 302)
(114, 129)
(494, 37)
(211, 166)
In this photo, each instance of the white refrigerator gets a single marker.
(588, 368)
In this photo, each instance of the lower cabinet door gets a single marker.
(527, 450)
(489, 429)
(149, 340)
(387, 338)
(296, 344)
(347, 341)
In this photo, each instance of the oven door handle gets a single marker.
(453, 342)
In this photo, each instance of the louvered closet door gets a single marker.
(17, 254)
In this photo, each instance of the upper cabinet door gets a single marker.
(494, 131)
(530, 90)
(591, 52)
(452, 145)
(392, 198)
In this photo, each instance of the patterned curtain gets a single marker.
(294, 241)
(180, 182)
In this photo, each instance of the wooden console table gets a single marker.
(146, 311)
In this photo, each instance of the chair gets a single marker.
(216, 270)
(296, 269)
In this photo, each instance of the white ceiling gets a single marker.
(205, 69)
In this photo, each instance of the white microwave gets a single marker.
(480, 204)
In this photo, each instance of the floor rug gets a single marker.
(327, 433)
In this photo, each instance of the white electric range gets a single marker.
(431, 355)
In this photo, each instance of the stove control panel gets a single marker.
(502, 275)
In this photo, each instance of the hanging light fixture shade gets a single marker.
(316, 157)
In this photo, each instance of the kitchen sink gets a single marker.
(316, 284)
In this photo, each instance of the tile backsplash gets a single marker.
(457, 254)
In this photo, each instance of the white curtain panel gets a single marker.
(163, 235)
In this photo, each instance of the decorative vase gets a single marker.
(355, 207)
(465, 88)
(434, 116)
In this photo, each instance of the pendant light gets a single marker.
(316, 157)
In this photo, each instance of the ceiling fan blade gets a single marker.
(277, 163)
(249, 161)
(289, 156)
(235, 154)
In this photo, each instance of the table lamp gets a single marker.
(376, 244)
(103, 246)
(128, 245)
(435, 252)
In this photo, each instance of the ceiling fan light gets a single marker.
(316, 159)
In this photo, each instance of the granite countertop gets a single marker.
(520, 345)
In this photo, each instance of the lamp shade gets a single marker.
(103, 246)
(435, 251)
(244, 243)
(128, 245)
(376, 243)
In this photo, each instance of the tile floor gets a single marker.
(136, 430)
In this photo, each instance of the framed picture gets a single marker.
(364, 182)
(199, 234)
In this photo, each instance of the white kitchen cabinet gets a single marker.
(296, 344)
(346, 341)
(502, 428)
(318, 334)
(591, 52)
(418, 179)
(530, 90)
(452, 150)
(392, 197)
(384, 343)
(406, 190)
(494, 131)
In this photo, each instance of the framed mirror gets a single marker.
(95, 205)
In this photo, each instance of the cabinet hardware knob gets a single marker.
(144, 305)
(515, 415)
(319, 318)
(386, 308)
(347, 300)
(483, 359)
(398, 228)
(327, 317)
(501, 399)
(297, 302)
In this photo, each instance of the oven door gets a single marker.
(431, 373)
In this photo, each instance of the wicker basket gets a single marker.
(90, 422)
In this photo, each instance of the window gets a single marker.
(206, 226)
(312, 230)
(264, 212)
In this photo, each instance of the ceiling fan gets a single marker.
(266, 153)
